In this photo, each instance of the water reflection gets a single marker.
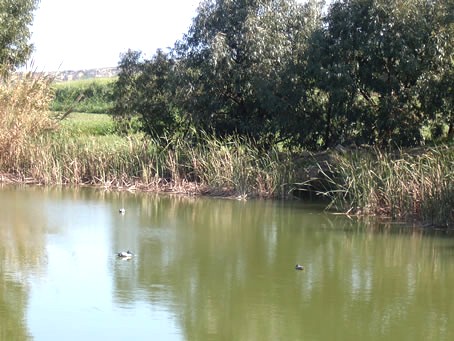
(214, 269)
(22, 257)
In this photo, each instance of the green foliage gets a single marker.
(374, 55)
(438, 84)
(373, 72)
(15, 19)
(236, 66)
(89, 96)
(144, 89)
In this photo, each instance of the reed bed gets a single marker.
(23, 116)
(236, 165)
(213, 167)
(415, 185)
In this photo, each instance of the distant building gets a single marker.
(70, 75)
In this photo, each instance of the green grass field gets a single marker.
(84, 83)
(89, 95)
(89, 124)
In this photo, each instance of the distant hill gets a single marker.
(70, 75)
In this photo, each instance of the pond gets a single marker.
(213, 269)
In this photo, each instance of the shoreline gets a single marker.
(191, 189)
(162, 186)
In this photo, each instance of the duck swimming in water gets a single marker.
(125, 254)
(299, 267)
(122, 211)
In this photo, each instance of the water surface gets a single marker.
(213, 269)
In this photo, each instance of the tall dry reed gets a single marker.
(236, 165)
(415, 185)
(24, 103)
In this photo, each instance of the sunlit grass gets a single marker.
(84, 83)
(88, 95)
(88, 124)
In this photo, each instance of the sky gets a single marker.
(86, 34)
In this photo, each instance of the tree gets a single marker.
(376, 54)
(437, 83)
(237, 66)
(144, 89)
(15, 18)
(371, 71)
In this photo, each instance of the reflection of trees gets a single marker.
(225, 268)
(13, 301)
(21, 254)
(377, 283)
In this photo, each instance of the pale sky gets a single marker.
(85, 34)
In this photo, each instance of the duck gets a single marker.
(299, 267)
(125, 254)
(122, 211)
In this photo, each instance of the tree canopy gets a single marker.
(363, 71)
(378, 53)
(16, 17)
(144, 88)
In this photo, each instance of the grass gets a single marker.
(89, 95)
(88, 124)
(133, 162)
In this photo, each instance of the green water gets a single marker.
(213, 269)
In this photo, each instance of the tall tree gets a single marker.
(376, 53)
(236, 62)
(15, 19)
